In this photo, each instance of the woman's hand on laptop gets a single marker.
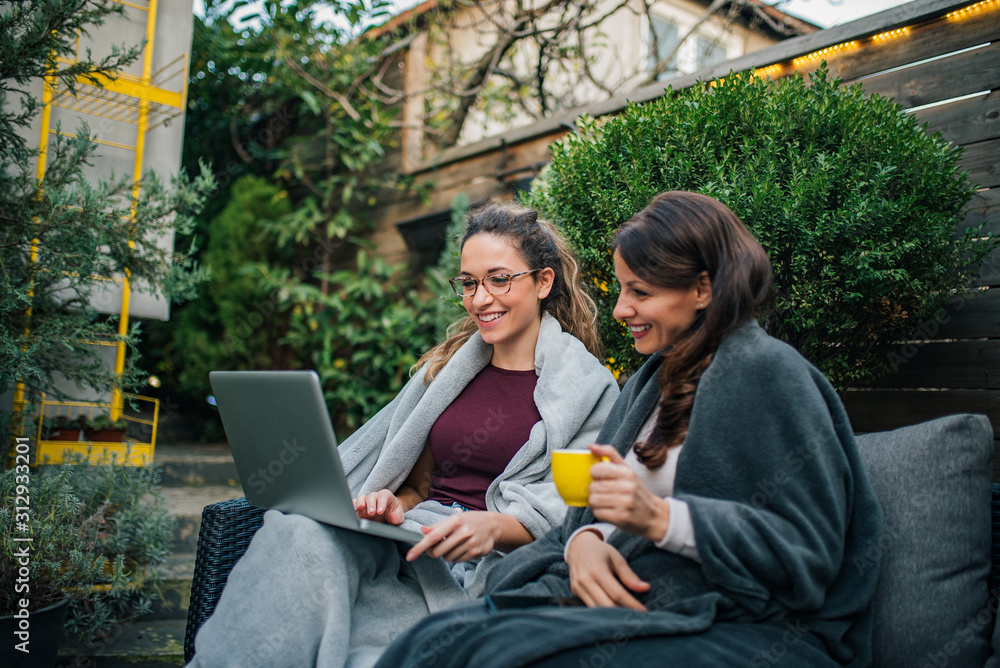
(381, 506)
(469, 535)
(461, 537)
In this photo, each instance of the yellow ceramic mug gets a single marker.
(571, 472)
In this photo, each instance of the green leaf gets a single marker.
(311, 102)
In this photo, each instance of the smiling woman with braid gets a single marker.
(462, 454)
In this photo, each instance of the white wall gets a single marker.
(620, 48)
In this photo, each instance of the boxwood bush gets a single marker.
(855, 204)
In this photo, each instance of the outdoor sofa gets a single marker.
(938, 556)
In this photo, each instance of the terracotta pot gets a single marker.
(104, 435)
(63, 434)
(44, 633)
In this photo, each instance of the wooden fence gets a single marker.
(939, 58)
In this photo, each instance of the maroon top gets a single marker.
(479, 433)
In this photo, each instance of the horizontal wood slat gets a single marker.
(989, 270)
(965, 121)
(880, 410)
(983, 162)
(972, 316)
(523, 155)
(971, 365)
(984, 208)
(886, 410)
(942, 79)
(928, 40)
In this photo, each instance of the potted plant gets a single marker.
(63, 428)
(103, 429)
(98, 535)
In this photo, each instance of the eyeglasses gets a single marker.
(495, 284)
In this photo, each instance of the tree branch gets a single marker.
(485, 66)
(323, 88)
(660, 66)
(237, 145)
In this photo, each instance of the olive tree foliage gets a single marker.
(62, 236)
(857, 207)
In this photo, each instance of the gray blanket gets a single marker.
(781, 508)
(574, 394)
(309, 594)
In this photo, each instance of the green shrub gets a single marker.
(855, 204)
(99, 534)
(234, 322)
(59, 422)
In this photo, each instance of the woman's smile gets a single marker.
(486, 319)
(638, 331)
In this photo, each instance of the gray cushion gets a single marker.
(933, 481)
(994, 661)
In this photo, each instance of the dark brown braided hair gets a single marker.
(669, 244)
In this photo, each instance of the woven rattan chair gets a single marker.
(226, 530)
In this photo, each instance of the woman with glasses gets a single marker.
(730, 521)
(462, 454)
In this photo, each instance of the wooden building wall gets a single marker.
(928, 52)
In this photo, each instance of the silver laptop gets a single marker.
(285, 450)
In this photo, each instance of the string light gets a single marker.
(765, 72)
(825, 52)
(776, 68)
(899, 32)
(964, 12)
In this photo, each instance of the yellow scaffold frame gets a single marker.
(141, 101)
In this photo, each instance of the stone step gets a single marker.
(186, 504)
(195, 464)
(143, 644)
(176, 426)
(175, 588)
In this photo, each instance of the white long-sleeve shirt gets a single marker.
(679, 537)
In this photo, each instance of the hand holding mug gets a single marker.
(619, 497)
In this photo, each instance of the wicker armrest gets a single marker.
(226, 530)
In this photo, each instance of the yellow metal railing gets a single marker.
(132, 450)
(121, 98)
